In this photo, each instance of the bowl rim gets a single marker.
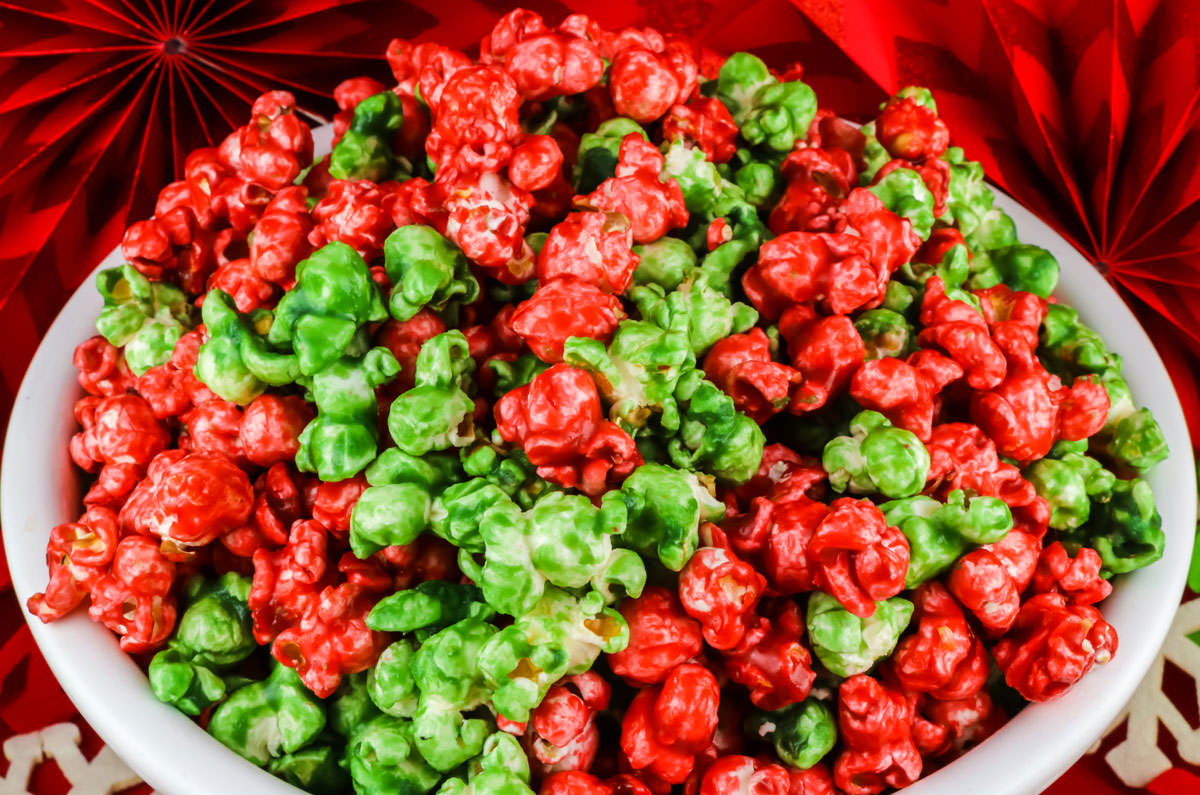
(109, 685)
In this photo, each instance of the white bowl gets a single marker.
(39, 491)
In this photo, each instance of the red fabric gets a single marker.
(1087, 111)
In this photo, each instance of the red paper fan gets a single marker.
(1087, 111)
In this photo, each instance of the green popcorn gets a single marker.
(885, 333)
(267, 719)
(146, 318)
(427, 270)
(344, 436)
(802, 733)
(428, 607)
(431, 472)
(849, 645)
(351, 706)
(599, 152)
(489, 782)
(437, 413)
(1126, 529)
(903, 191)
(458, 512)
(176, 679)
(666, 262)
(390, 682)
(939, 533)
(383, 760)
(875, 155)
(1070, 483)
(212, 635)
(695, 310)
(1026, 267)
(969, 205)
(316, 770)
(954, 269)
(1131, 437)
(235, 362)
(385, 516)
(365, 151)
(665, 507)
(450, 683)
(714, 437)
(1070, 348)
(901, 298)
(322, 315)
(510, 375)
(876, 458)
(741, 78)
(562, 540)
(561, 636)
(638, 373)
(703, 186)
(758, 182)
(502, 752)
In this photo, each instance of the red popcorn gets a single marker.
(77, 555)
(274, 148)
(826, 351)
(982, 583)
(146, 246)
(816, 780)
(595, 248)
(661, 637)
(214, 426)
(134, 600)
(576, 782)
(554, 64)
(280, 239)
(476, 105)
(654, 206)
(963, 457)
(1052, 645)
(116, 430)
(248, 289)
(332, 502)
(487, 218)
(1030, 409)
(782, 475)
(562, 734)
(270, 428)
(817, 182)
(744, 775)
(536, 163)
(565, 308)
(771, 661)
(741, 366)
(833, 269)
(645, 83)
(666, 726)
(943, 658)
(856, 557)
(785, 557)
(905, 391)
(331, 639)
(557, 421)
(890, 238)
(189, 499)
(720, 591)
(351, 213)
(704, 122)
(1077, 579)
(172, 388)
(910, 130)
(511, 29)
(287, 580)
(277, 505)
(967, 721)
(102, 368)
(878, 750)
(240, 202)
(958, 329)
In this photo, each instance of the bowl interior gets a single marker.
(39, 490)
